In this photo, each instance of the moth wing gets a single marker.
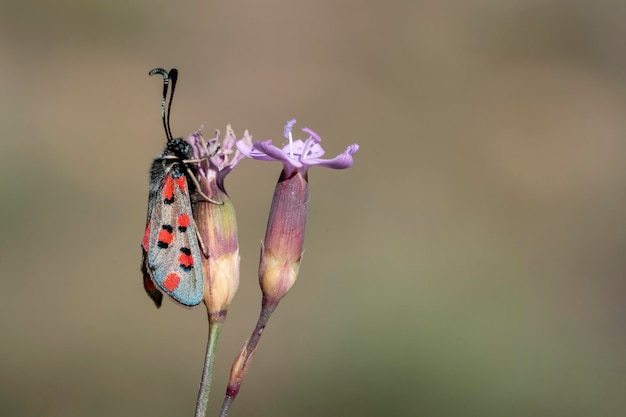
(155, 295)
(174, 260)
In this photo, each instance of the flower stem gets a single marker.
(243, 361)
(215, 326)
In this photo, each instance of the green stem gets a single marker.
(238, 373)
(207, 372)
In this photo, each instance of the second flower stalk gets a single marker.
(281, 253)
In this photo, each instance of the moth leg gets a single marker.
(185, 161)
(193, 177)
(203, 248)
(168, 157)
(199, 190)
(195, 161)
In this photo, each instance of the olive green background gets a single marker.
(471, 263)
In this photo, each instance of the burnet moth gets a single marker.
(172, 262)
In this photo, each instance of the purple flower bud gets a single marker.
(217, 223)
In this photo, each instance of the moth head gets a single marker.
(179, 147)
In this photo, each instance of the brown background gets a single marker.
(471, 263)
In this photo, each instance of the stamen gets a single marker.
(306, 148)
(287, 134)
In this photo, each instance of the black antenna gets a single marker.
(172, 75)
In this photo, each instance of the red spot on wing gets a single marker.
(185, 260)
(146, 238)
(182, 183)
(183, 220)
(171, 281)
(168, 188)
(166, 237)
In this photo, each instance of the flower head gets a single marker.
(215, 218)
(217, 159)
(297, 154)
(282, 248)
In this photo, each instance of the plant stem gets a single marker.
(215, 326)
(243, 361)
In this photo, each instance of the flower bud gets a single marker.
(216, 221)
(282, 248)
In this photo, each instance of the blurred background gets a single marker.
(471, 263)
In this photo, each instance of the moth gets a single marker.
(172, 249)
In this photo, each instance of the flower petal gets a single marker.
(271, 152)
(341, 161)
(297, 154)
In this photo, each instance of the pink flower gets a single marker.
(297, 154)
(282, 248)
